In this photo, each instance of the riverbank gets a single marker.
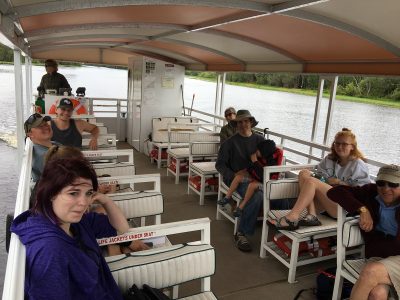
(378, 102)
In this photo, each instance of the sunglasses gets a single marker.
(229, 114)
(341, 144)
(382, 183)
(33, 118)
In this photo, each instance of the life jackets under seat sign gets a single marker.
(80, 104)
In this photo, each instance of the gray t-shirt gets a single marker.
(39, 151)
(234, 154)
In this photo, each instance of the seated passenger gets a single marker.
(60, 152)
(343, 166)
(40, 133)
(63, 259)
(379, 208)
(68, 131)
(253, 175)
(230, 128)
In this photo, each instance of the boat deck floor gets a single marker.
(238, 275)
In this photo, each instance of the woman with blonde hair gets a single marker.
(343, 166)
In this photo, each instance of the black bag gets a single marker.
(147, 293)
(326, 282)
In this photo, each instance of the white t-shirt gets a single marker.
(355, 172)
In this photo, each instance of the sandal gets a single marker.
(224, 201)
(291, 225)
(238, 212)
(310, 220)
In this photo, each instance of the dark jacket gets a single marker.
(256, 169)
(54, 81)
(62, 267)
(227, 131)
(351, 199)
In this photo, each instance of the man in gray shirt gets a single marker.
(234, 156)
(39, 131)
(230, 128)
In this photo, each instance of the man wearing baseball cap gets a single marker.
(379, 208)
(53, 80)
(39, 131)
(229, 129)
(68, 131)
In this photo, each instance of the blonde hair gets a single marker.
(58, 152)
(354, 154)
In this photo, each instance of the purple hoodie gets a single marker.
(61, 267)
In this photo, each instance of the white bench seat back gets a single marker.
(351, 233)
(139, 204)
(114, 169)
(163, 267)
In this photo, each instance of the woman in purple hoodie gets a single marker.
(63, 259)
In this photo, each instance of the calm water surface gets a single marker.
(377, 128)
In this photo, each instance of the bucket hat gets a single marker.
(245, 114)
(390, 173)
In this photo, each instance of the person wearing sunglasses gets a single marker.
(39, 131)
(229, 129)
(53, 80)
(379, 207)
(343, 166)
(68, 131)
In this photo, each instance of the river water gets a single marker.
(377, 128)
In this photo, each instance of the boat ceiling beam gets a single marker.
(324, 20)
(247, 15)
(57, 6)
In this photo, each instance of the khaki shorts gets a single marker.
(392, 265)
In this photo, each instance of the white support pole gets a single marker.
(217, 96)
(28, 84)
(19, 105)
(316, 113)
(221, 102)
(332, 97)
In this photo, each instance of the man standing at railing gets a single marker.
(234, 156)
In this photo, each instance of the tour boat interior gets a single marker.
(157, 41)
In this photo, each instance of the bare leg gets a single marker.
(234, 185)
(251, 188)
(304, 176)
(372, 277)
(312, 187)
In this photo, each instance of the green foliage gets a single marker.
(6, 54)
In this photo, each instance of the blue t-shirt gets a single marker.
(387, 218)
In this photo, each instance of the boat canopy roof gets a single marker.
(301, 36)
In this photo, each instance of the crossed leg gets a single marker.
(373, 283)
(312, 196)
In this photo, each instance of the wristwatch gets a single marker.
(362, 209)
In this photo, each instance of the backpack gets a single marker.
(146, 293)
(325, 283)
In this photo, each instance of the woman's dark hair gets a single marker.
(56, 175)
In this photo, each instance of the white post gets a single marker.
(221, 105)
(19, 105)
(217, 96)
(316, 113)
(28, 84)
(332, 96)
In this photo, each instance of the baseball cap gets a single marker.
(65, 103)
(35, 120)
(390, 173)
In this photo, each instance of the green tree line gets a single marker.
(357, 86)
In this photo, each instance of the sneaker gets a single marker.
(241, 242)
(238, 212)
(224, 201)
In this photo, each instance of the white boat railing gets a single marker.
(15, 273)
(312, 152)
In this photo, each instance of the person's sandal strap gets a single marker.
(310, 220)
(291, 225)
